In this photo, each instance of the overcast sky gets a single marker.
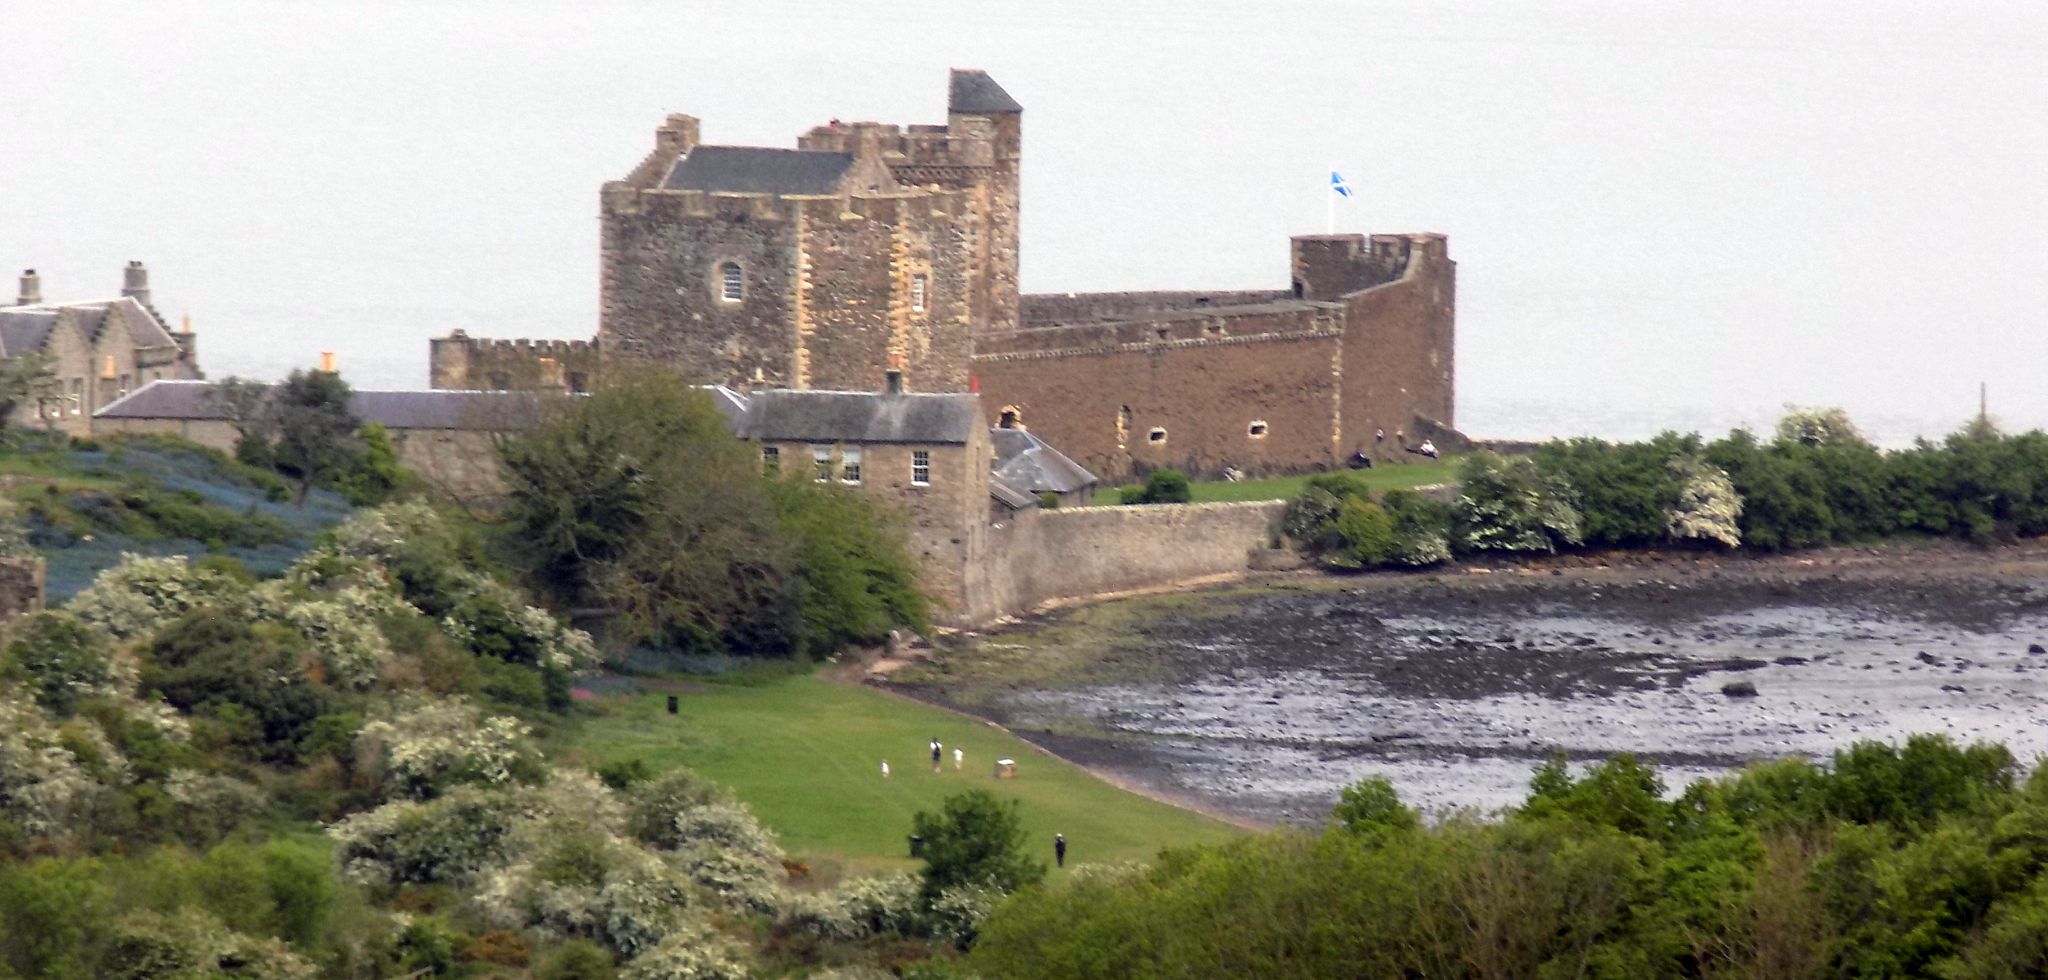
(1664, 213)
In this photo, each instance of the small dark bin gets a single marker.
(916, 846)
(674, 704)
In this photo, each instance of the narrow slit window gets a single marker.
(849, 465)
(771, 458)
(917, 288)
(1157, 436)
(1256, 430)
(731, 284)
(920, 468)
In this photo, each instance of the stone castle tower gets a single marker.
(867, 246)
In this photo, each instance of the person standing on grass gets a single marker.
(1059, 850)
(937, 749)
(885, 768)
(958, 757)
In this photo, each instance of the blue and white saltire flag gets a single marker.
(1338, 186)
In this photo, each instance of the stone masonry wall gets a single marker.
(1399, 353)
(1256, 390)
(1047, 309)
(1049, 555)
(461, 362)
(659, 283)
(855, 311)
(21, 588)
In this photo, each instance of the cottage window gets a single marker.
(821, 460)
(731, 287)
(917, 287)
(849, 465)
(920, 468)
(771, 458)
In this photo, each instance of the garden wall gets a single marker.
(1042, 556)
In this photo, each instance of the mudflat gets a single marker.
(1263, 700)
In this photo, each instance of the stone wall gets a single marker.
(1255, 390)
(461, 362)
(21, 588)
(462, 463)
(857, 312)
(1399, 350)
(1046, 309)
(1051, 555)
(659, 290)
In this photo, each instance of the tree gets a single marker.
(1507, 504)
(1818, 427)
(29, 379)
(246, 403)
(974, 839)
(1708, 508)
(316, 430)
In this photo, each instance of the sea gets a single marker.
(1666, 214)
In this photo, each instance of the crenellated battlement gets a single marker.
(460, 361)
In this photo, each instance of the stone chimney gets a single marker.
(894, 384)
(135, 282)
(31, 289)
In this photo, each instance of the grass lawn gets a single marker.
(1390, 476)
(805, 753)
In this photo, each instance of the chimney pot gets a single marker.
(31, 289)
(327, 362)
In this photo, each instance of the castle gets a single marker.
(873, 247)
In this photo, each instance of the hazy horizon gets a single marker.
(1664, 215)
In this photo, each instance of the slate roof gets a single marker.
(193, 401)
(1027, 461)
(27, 328)
(858, 416)
(1009, 494)
(973, 91)
(758, 170)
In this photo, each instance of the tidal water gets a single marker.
(1667, 214)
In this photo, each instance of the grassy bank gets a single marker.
(1393, 476)
(805, 754)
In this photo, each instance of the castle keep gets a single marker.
(870, 247)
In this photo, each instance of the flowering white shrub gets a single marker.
(1819, 427)
(41, 784)
(858, 908)
(695, 954)
(717, 843)
(212, 803)
(957, 914)
(192, 943)
(1507, 504)
(433, 745)
(383, 532)
(451, 839)
(1708, 508)
(572, 879)
(135, 598)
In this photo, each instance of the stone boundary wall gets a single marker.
(21, 588)
(1048, 309)
(1051, 555)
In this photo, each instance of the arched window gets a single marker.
(731, 286)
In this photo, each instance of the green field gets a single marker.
(1392, 476)
(805, 753)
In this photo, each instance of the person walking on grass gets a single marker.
(1059, 850)
(958, 758)
(937, 749)
(885, 768)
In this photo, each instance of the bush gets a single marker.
(429, 747)
(578, 959)
(974, 839)
(245, 676)
(140, 595)
(1162, 487)
(58, 659)
(1048, 500)
(1365, 535)
(1507, 504)
(452, 839)
(1422, 528)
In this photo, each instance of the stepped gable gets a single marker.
(758, 170)
(786, 415)
(25, 328)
